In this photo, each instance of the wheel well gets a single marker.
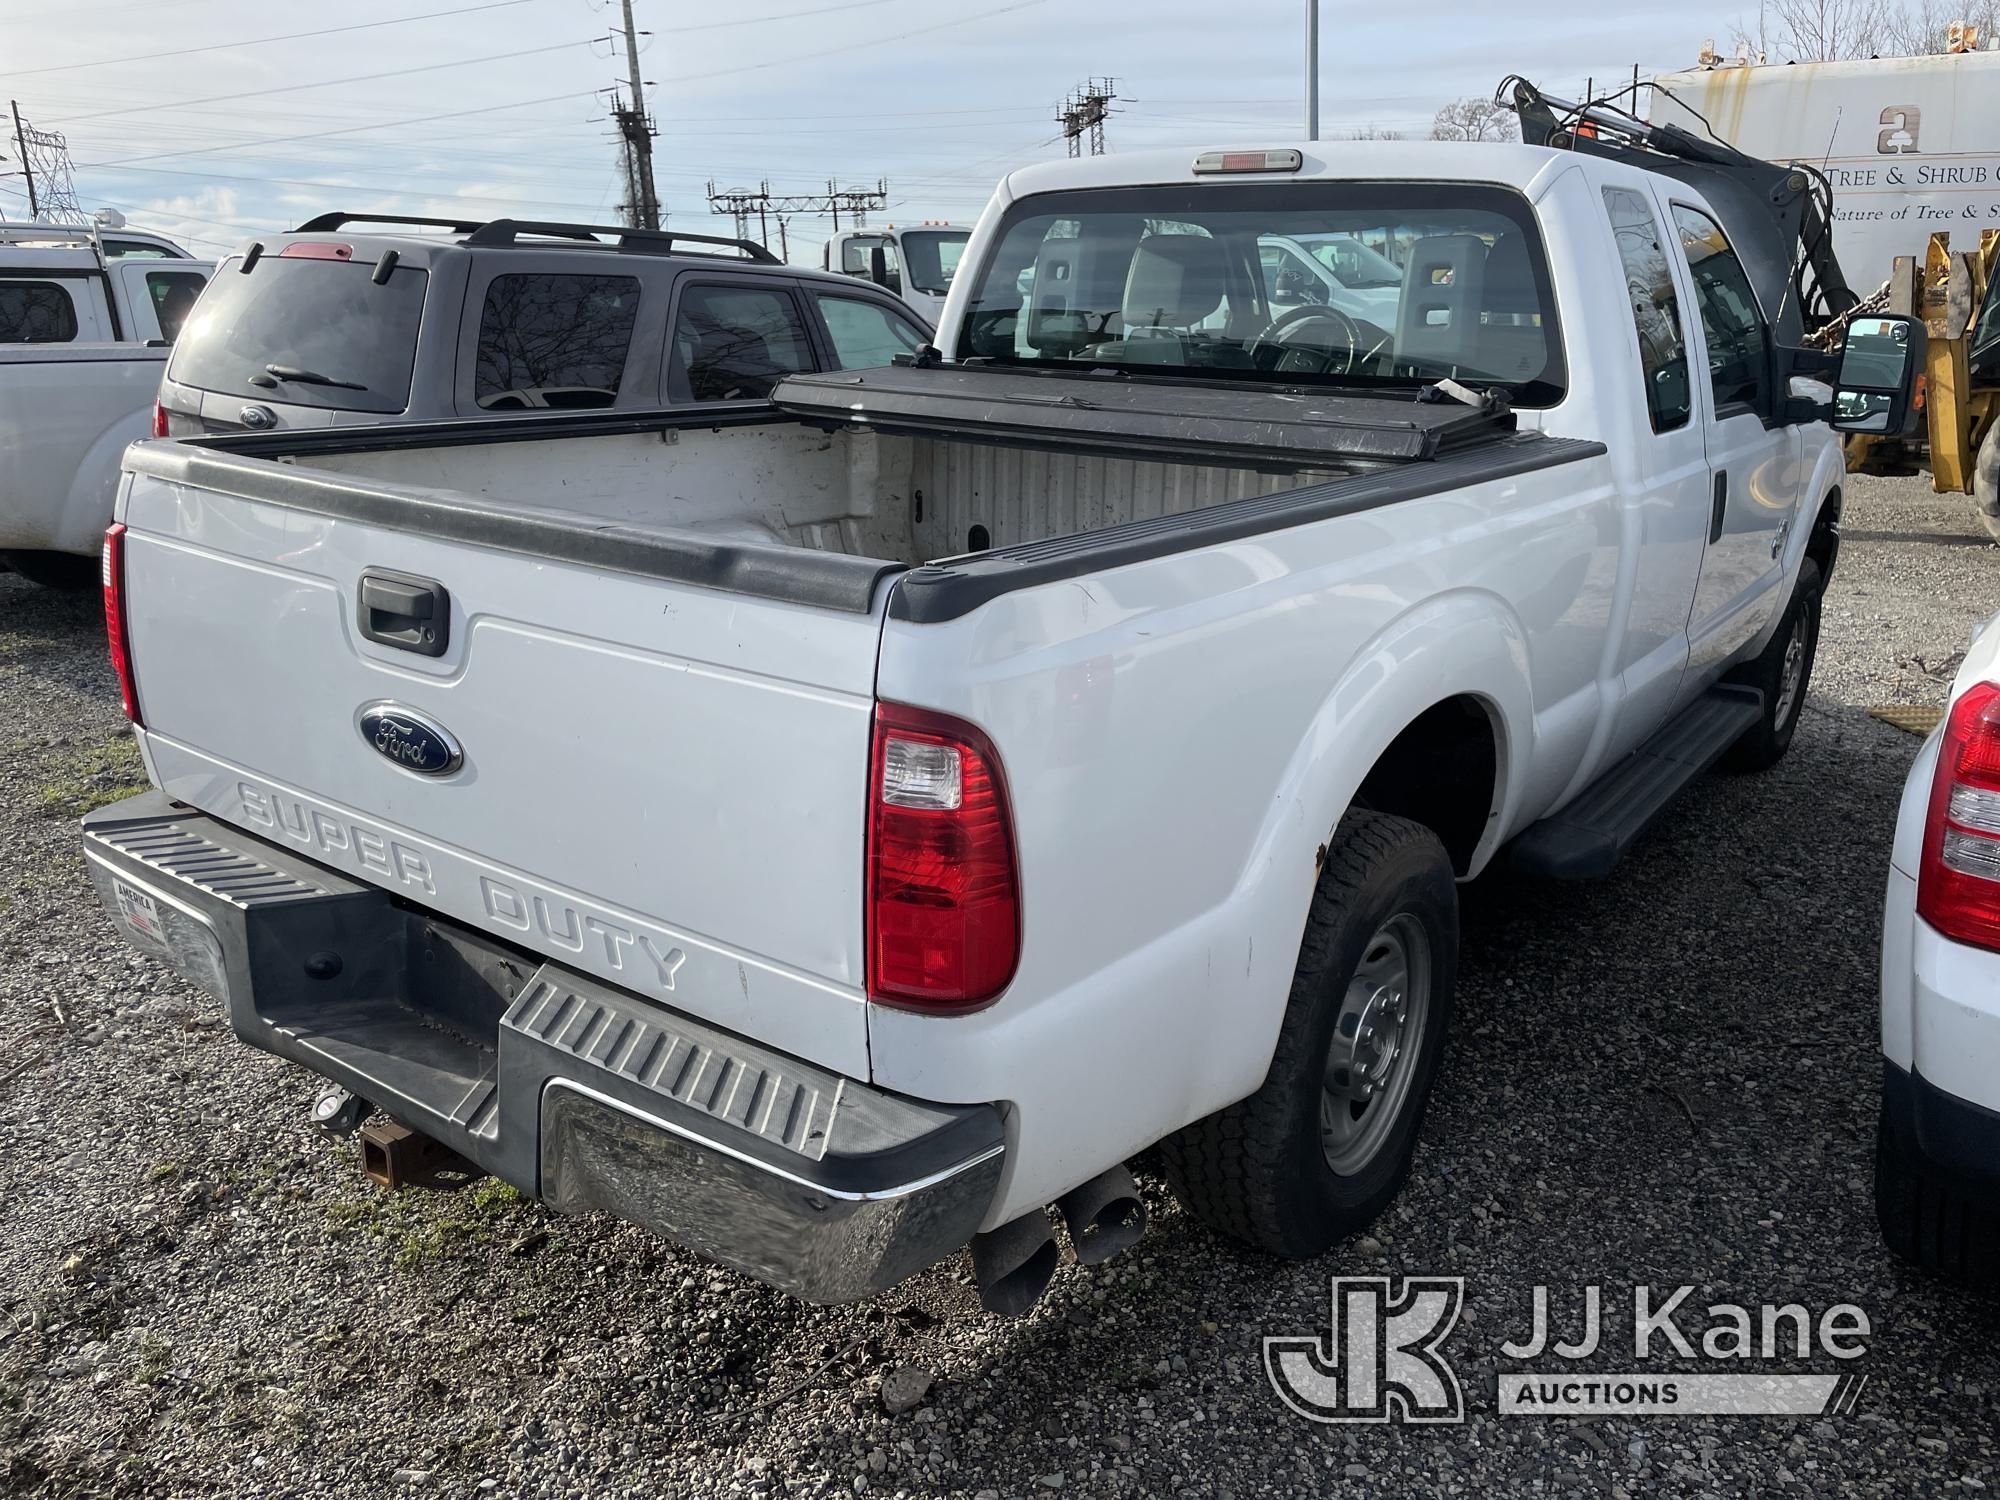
(1823, 543)
(1441, 772)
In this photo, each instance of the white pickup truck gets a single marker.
(831, 830)
(86, 321)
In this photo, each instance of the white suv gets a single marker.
(1937, 1163)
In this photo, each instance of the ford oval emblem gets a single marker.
(414, 741)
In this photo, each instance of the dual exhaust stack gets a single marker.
(1014, 1263)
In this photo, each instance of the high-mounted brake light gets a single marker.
(115, 619)
(1248, 161)
(159, 420)
(1958, 881)
(316, 250)
(944, 898)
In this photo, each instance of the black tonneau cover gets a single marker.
(1260, 426)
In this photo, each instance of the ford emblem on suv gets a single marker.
(410, 739)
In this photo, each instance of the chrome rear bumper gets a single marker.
(578, 1093)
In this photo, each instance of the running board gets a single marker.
(1590, 835)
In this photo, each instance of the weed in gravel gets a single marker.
(156, 1357)
(101, 775)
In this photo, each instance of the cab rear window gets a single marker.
(36, 312)
(308, 332)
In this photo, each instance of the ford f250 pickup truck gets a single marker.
(831, 830)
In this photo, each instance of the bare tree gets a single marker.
(1371, 132)
(1817, 30)
(1474, 119)
(1923, 26)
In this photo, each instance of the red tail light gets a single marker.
(944, 898)
(115, 618)
(1958, 883)
(159, 420)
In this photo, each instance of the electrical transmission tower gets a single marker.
(1084, 113)
(636, 132)
(745, 204)
(44, 158)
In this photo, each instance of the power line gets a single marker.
(327, 83)
(317, 135)
(259, 41)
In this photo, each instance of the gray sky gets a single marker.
(249, 136)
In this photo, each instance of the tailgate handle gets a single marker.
(404, 611)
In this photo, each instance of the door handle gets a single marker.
(404, 611)
(1721, 504)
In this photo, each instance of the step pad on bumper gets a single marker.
(572, 1090)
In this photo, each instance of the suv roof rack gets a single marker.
(321, 223)
(507, 232)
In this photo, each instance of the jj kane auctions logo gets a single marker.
(1382, 1358)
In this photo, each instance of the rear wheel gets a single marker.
(55, 570)
(1927, 1223)
(1318, 1151)
(1781, 672)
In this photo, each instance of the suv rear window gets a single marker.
(558, 342)
(326, 318)
(35, 312)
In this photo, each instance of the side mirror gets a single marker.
(879, 272)
(1878, 374)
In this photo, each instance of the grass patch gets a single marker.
(95, 778)
(156, 1357)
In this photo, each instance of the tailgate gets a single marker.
(661, 782)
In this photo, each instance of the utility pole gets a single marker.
(1084, 112)
(635, 125)
(27, 167)
(1312, 70)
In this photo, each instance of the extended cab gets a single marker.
(831, 830)
(86, 318)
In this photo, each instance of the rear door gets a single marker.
(1753, 457)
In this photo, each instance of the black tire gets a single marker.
(1926, 1222)
(1986, 481)
(1764, 744)
(1257, 1171)
(56, 570)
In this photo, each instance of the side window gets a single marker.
(173, 294)
(553, 342)
(867, 334)
(854, 253)
(732, 343)
(36, 312)
(1738, 362)
(137, 250)
(1649, 284)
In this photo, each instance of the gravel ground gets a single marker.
(1666, 1078)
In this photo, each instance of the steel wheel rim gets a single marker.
(1377, 1038)
(1791, 672)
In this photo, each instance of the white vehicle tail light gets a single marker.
(159, 420)
(944, 903)
(115, 618)
(1958, 882)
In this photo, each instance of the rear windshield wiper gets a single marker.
(274, 373)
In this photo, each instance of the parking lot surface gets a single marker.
(1665, 1079)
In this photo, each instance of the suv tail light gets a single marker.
(159, 420)
(1958, 882)
(115, 618)
(944, 898)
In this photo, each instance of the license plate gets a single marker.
(139, 911)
